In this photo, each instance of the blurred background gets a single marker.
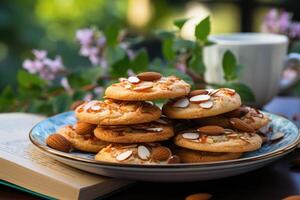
(51, 24)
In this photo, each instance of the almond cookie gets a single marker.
(148, 153)
(113, 112)
(139, 88)
(87, 142)
(203, 103)
(214, 141)
(137, 133)
(248, 115)
(192, 156)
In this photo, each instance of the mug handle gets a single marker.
(291, 72)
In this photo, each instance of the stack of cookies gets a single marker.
(221, 128)
(126, 127)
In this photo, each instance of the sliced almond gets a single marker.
(143, 152)
(133, 79)
(209, 140)
(230, 91)
(144, 86)
(276, 136)
(211, 130)
(124, 155)
(59, 142)
(95, 108)
(200, 98)
(149, 76)
(207, 104)
(161, 153)
(197, 92)
(190, 136)
(181, 103)
(158, 129)
(232, 135)
(82, 128)
(240, 125)
(213, 92)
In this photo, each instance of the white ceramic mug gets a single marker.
(262, 56)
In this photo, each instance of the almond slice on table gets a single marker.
(200, 98)
(240, 125)
(59, 142)
(143, 152)
(190, 136)
(82, 128)
(211, 130)
(181, 103)
(149, 76)
(197, 92)
(133, 79)
(207, 104)
(161, 153)
(124, 155)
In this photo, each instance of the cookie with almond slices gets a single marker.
(203, 103)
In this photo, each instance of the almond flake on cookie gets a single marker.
(181, 103)
(133, 79)
(143, 152)
(207, 104)
(200, 98)
(124, 155)
(190, 136)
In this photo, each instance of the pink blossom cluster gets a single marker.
(92, 45)
(46, 68)
(281, 23)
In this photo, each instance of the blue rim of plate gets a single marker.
(266, 156)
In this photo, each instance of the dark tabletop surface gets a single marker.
(275, 181)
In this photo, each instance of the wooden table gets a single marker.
(274, 181)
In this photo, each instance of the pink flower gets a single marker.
(39, 54)
(181, 67)
(32, 66)
(85, 36)
(88, 97)
(55, 65)
(295, 30)
(99, 91)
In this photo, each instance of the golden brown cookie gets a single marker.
(192, 156)
(208, 103)
(137, 89)
(248, 115)
(113, 112)
(137, 133)
(230, 141)
(87, 142)
(148, 153)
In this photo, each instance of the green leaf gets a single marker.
(7, 99)
(202, 29)
(28, 80)
(40, 107)
(180, 22)
(230, 67)
(140, 61)
(180, 45)
(111, 33)
(120, 68)
(61, 103)
(162, 34)
(196, 64)
(244, 91)
(114, 54)
(92, 73)
(167, 49)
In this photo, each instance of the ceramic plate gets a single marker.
(175, 172)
